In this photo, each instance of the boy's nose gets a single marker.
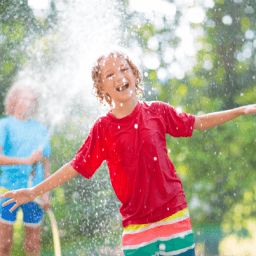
(119, 77)
(27, 103)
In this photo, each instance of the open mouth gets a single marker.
(122, 88)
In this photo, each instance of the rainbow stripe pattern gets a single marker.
(170, 236)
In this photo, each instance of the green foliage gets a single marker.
(217, 166)
(18, 27)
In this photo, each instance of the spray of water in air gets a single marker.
(60, 66)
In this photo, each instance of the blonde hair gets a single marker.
(12, 98)
(97, 81)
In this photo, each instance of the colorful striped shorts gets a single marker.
(170, 236)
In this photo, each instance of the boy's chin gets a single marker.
(126, 99)
(27, 116)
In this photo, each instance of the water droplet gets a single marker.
(155, 158)
(136, 126)
(162, 247)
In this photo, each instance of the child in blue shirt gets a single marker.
(20, 138)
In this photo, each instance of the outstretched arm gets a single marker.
(23, 196)
(210, 120)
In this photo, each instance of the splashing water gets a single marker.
(60, 66)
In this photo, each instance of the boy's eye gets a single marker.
(109, 75)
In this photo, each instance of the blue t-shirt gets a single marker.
(19, 139)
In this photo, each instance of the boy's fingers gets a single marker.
(14, 207)
(8, 195)
(8, 202)
(2, 196)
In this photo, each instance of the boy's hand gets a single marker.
(19, 197)
(250, 109)
(35, 157)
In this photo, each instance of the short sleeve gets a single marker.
(3, 133)
(92, 153)
(178, 123)
(47, 149)
(46, 144)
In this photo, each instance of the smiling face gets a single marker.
(117, 79)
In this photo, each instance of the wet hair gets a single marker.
(97, 80)
(12, 98)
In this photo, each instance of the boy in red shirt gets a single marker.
(131, 138)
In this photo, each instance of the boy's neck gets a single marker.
(124, 109)
(20, 117)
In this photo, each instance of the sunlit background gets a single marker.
(85, 30)
(198, 55)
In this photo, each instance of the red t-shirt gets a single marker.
(134, 147)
